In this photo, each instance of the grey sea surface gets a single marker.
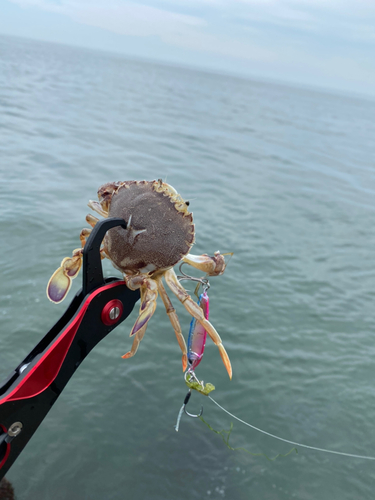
(284, 178)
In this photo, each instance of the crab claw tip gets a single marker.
(226, 360)
(184, 362)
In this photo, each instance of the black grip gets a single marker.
(92, 263)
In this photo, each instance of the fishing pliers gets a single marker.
(30, 391)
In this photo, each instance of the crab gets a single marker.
(159, 234)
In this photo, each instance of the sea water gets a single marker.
(284, 178)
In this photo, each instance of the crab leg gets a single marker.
(171, 311)
(91, 220)
(60, 282)
(84, 234)
(197, 312)
(137, 337)
(149, 293)
(213, 266)
(95, 205)
(137, 340)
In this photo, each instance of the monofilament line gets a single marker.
(291, 442)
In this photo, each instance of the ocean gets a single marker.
(283, 177)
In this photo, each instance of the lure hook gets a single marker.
(186, 400)
(194, 416)
(183, 409)
(202, 281)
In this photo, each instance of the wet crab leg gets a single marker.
(96, 206)
(60, 282)
(213, 266)
(83, 235)
(197, 313)
(172, 315)
(137, 340)
(91, 220)
(149, 293)
(137, 337)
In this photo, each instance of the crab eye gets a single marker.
(187, 203)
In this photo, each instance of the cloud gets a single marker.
(118, 16)
(330, 40)
(131, 19)
(176, 19)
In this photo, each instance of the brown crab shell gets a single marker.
(156, 209)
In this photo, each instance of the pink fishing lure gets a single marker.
(197, 335)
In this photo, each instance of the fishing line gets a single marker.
(287, 440)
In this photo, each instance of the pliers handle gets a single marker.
(29, 392)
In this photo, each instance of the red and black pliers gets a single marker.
(29, 392)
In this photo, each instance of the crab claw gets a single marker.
(213, 266)
(61, 280)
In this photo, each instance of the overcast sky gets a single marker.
(326, 43)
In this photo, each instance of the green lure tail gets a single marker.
(225, 435)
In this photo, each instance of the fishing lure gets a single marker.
(198, 335)
(196, 344)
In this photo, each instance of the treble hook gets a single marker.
(183, 409)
